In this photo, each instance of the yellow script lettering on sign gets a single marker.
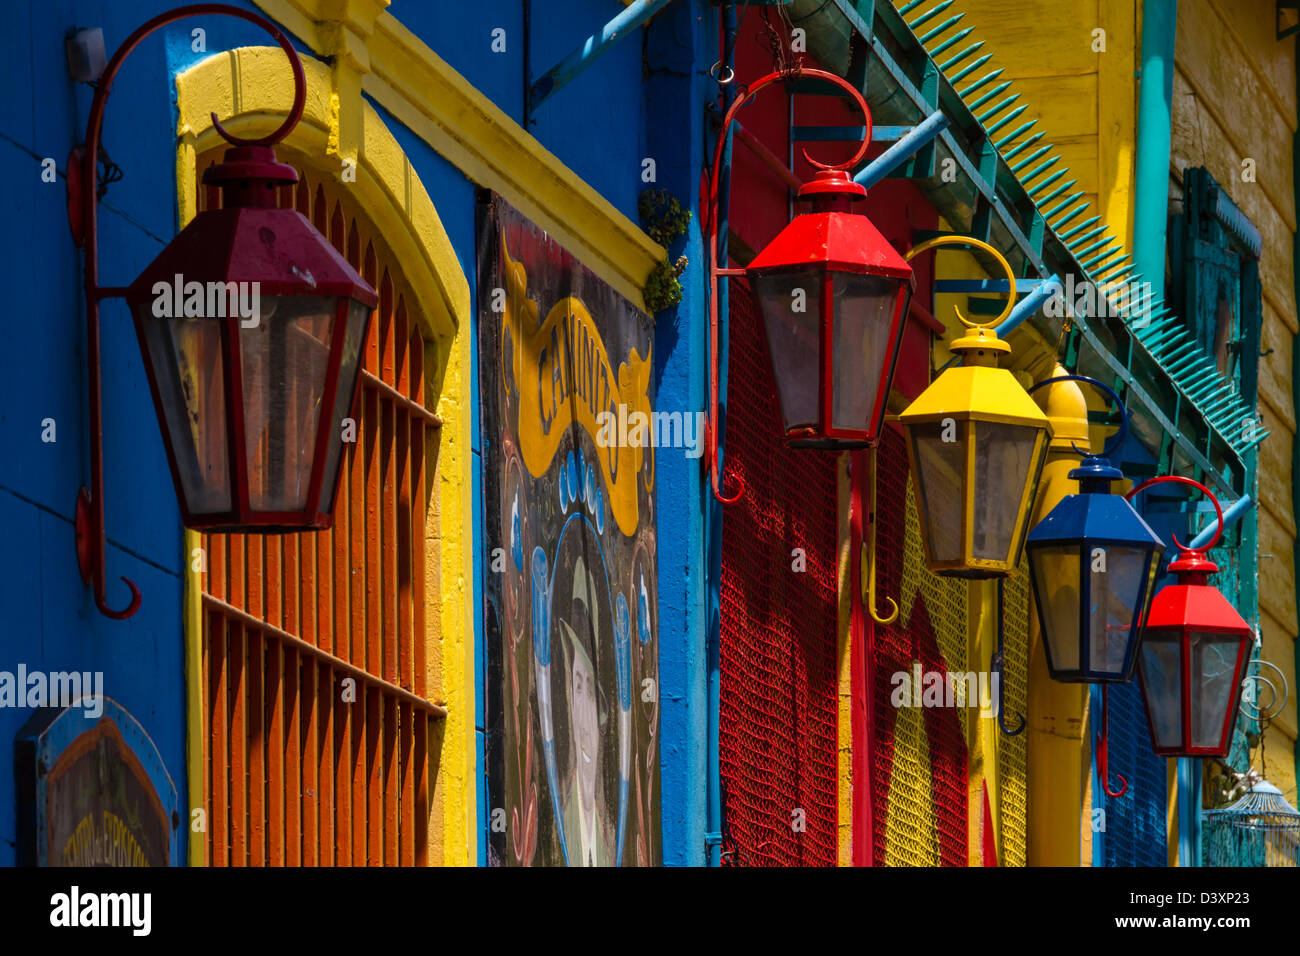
(564, 375)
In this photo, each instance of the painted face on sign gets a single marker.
(586, 727)
(583, 706)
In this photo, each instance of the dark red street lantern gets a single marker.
(251, 326)
(834, 295)
(1194, 654)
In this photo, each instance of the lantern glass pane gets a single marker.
(1056, 583)
(940, 465)
(864, 315)
(791, 307)
(189, 373)
(349, 368)
(1162, 683)
(1003, 456)
(1214, 665)
(1118, 576)
(284, 359)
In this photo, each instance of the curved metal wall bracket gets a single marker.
(1103, 750)
(869, 553)
(83, 215)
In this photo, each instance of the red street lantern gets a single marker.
(833, 295)
(251, 326)
(1194, 654)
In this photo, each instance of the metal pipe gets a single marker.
(921, 135)
(1155, 98)
(1029, 305)
(591, 49)
(720, 199)
(1231, 515)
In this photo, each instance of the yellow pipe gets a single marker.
(981, 726)
(192, 615)
(1058, 713)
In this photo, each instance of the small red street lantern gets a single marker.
(251, 326)
(833, 294)
(1194, 654)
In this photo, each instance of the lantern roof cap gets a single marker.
(279, 249)
(1194, 607)
(976, 392)
(1100, 518)
(844, 241)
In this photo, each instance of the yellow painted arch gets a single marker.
(250, 90)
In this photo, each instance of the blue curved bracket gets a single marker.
(1115, 440)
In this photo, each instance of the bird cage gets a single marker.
(1259, 829)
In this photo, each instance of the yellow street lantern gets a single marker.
(977, 443)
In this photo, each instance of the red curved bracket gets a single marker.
(1179, 479)
(1103, 750)
(744, 95)
(83, 214)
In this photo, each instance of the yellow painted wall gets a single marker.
(1235, 97)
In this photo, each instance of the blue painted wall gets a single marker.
(678, 93)
(628, 105)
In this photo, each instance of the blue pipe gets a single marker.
(1231, 515)
(592, 48)
(713, 831)
(1029, 305)
(1023, 310)
(884, 164)
(1155, 98)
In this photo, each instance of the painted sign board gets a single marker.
(569, 568)
(93, 792)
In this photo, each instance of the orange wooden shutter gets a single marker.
(296, 775)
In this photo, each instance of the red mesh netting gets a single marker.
(777, 740)
(918, 777)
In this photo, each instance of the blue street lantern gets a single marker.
(1092, 563)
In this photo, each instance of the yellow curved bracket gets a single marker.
(869, 549)
(968, 241)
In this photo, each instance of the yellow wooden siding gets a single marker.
(1235, 98)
